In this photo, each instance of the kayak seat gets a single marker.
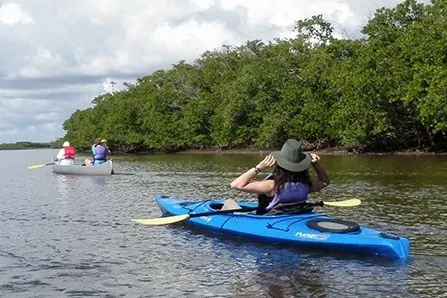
(229, 206)
(333, 225)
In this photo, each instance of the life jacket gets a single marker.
(69, 152)
(100, 152)
(291, 192)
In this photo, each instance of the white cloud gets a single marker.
(191, 37)
(56, 56)
(11, 14)
(96, 21)
(42, 63)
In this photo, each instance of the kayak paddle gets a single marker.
(40, 166)
(345, 203)
(182, 217)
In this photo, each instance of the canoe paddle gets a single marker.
(182, 217)
(40, 166)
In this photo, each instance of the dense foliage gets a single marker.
(385, 91)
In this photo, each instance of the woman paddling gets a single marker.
(290, 181)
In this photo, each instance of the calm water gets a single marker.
(69, 236)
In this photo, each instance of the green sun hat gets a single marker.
(291, 157)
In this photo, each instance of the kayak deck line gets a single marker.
(271, 226)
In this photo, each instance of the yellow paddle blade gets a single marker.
(162, 220)
(36, 166)
(346, 203)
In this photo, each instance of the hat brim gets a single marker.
(292, 166)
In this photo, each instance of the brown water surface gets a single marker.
(71, 236)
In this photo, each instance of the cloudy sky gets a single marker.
(56, 56)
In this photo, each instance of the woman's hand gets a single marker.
(259, 187)
(323, 179)
(314, 158)
(267, 162)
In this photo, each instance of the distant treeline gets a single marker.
(385, 91)
(27, 145)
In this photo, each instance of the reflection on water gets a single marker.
(67, 185)
(64, 183)
(284, 274)
(99, 183)
(250, 269)
(69, 236)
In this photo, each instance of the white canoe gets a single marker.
(104, 169)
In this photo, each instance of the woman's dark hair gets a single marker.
(282, 176)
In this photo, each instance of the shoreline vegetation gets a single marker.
(328, 151)
(261, 151)
(27, 145)
(382, 93)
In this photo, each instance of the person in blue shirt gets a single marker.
(100, 153)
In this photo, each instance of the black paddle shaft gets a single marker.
(220, 212)
(318, 204)
(248, 209)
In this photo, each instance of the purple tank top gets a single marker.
(292, 192)
(100, 152)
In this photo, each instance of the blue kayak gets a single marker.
(308, 229)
